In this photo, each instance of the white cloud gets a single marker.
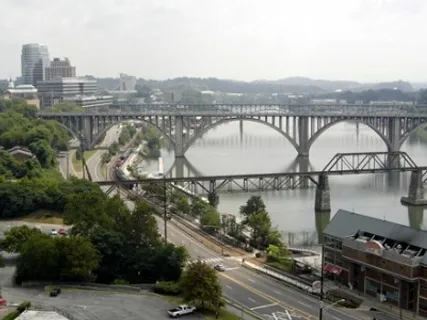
(242, 39)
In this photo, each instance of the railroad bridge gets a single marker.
(300, 125)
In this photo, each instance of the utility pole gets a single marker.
(165, 213)
(322, 277)
(68, 165)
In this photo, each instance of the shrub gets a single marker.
(120, 282)
(169, 288)
(249, 249)
(24, 306)
(258, 254)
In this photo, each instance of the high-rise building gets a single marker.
(127, 83)
(60, 69)
(34, 61)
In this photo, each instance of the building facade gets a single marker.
(383, 259)
(24, 91)
(60, 69)
(59, 90)
(127, 83)
(34, 61)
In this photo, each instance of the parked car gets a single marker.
(219, 267)
(181, 310)
(55, 292)
(54, 232)
(62, 232)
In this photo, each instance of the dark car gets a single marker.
(55, 292)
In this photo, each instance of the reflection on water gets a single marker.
(259, 149)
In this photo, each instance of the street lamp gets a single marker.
(322, 305)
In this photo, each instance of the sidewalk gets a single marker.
(371, 302)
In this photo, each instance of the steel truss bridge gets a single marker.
(340, 164)
(300, 125)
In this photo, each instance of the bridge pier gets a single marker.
(323, 195)
(416, 190)
(179, 137)
(87, 126)
(303, 137)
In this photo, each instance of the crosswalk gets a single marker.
(210, 260)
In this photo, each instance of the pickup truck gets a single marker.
(181, 311)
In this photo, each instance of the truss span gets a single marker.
(340, 164)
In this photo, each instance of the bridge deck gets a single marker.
(260, 176)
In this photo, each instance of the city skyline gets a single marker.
(360, 40)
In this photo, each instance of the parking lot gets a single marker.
(87, 304)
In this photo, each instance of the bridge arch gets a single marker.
(73, 133)
(322, 130)
(407, 134)
(104, 131)
(227, 120)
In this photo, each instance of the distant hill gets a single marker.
(299, 85)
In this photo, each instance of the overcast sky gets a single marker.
(364, 40)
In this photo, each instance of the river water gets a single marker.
(259, 149)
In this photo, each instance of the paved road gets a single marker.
(252, 291)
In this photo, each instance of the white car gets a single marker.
(54, 232)
(181, 311)
(219, 267)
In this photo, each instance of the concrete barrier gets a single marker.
(311, 289)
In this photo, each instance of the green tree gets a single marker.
(16, 237)
(60, 258)
(279, 256)
(142, 226)
(39, 260)
(198, 207)
(260, 224)
(79, 258)
(181, 202)
(169, 260)
(211, 219)
(110, 245)
(44, 153)
(200, 285)
(422, 97)
(86, 212)
(253, 205)
(67, 107)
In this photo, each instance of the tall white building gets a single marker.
(34, 61)
(127, 83)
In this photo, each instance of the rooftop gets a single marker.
(40, 315)
(346, 224)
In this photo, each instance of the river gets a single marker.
(259, 149)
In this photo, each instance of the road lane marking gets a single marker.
(228, 287)
(276, 291)
(309, 306)
(172, 234)
(250, 299)
(233, 268)
(251, 280)
(299, 312)
(264, 306)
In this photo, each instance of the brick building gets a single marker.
(380, 258)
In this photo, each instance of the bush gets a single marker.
(11, 316)
(23, 306)
(249, 249)
(258, 254)
(169, 288)
(120, 282)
